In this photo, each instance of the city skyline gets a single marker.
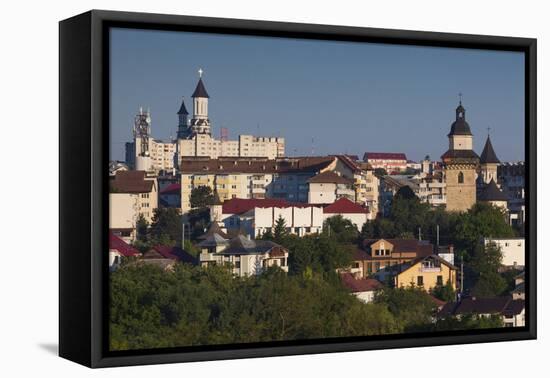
(320, 103)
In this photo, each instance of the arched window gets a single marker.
(460, 178)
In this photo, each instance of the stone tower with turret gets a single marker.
(460, 165)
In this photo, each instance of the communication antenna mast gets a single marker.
(142, 129)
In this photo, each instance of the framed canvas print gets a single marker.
(233, 188)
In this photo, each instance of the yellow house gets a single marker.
(427, 272)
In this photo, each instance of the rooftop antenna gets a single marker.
(312, 146)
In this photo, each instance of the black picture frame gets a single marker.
(84, 122)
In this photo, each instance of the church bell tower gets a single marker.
(460, 164)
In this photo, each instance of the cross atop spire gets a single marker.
(200, 72)
(460, 98)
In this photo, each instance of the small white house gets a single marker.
(246, 256)
(363, 288)
(119, 249)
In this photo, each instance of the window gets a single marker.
(420, 281)
(440, 280)
(460, 178)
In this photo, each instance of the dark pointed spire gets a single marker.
(183, 110)
(488, 155)
(200, 90)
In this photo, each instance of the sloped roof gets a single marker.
(213, 240)
(329, 177)
(241, 245)
(493, 305)
(384, 156)
(200, 90)
(359, 285)
(131, 182)
(117, 244)
(310, 164)
(421, 248)
(183, 109)
(172, 253)
(242, 205)
(488, 154)
(345, 206)
(460, 155)
(213, 228)
(491, 192)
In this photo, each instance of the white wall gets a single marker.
(34, 70)
(513, 250)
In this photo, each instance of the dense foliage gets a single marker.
(151, 308)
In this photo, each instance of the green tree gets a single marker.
(201, 197)
(142, 227)
(341, 229)
(485, 265)
(468, 321)
(481, 221)
(166, 226)
(280, 231)
(412, 307)
(445, 292)
(379, 172)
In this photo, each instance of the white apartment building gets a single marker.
(255, 217)
(513, 251)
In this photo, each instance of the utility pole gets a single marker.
(419, 233)
(461, 273)
(437, 233)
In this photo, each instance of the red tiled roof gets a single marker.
(117, 244)
(131, 182)
(242, 205)
(172, 188)
(172, 253)
(384, 156)
(359, 285)
(345, 206)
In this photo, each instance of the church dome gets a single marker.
(460, 126)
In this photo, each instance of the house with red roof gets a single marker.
(357, 214)
(363, 288)
(118, 250)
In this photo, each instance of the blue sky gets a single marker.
(347, 97)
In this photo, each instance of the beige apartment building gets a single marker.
(131, 194)
(282, 178)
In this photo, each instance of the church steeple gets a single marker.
(182, 120)
(488, 156)
(460, 136)
(200, 124)
(489, 163)
(460, 164)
